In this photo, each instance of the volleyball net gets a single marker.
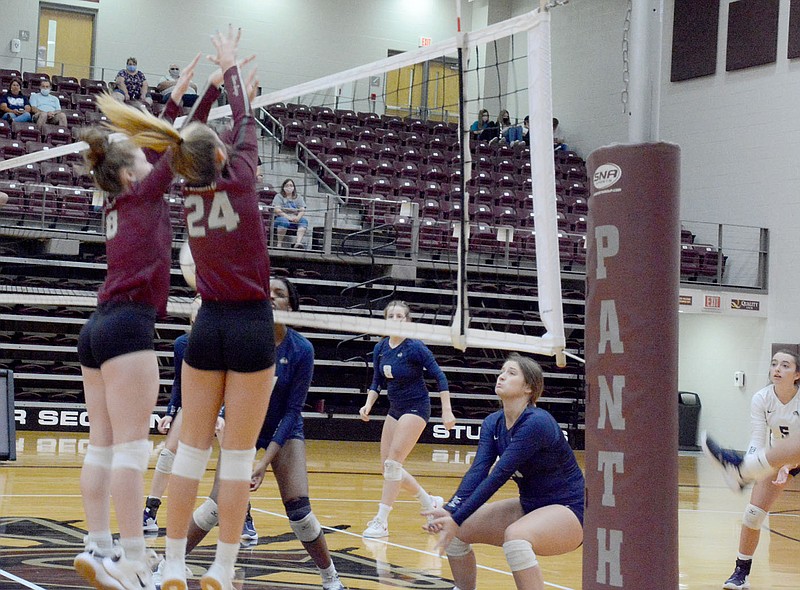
(392, 141)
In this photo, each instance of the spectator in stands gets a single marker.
(525, 443)
(167, 83)
(484, 129)
(284, 447)
(14, 105)
(508, 132)
(131, 84)
(526, 135)
(289, 209)
(558, 141)
(46, 108)
(3, 199)
(398, 365)
(115, 347)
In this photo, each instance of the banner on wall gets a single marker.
(695, 300)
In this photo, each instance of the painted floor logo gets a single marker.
(40, 551)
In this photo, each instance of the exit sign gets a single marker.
(424, 41)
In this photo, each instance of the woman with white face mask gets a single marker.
(167, 83)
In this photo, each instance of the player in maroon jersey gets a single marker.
(230, 355)
(115, 347)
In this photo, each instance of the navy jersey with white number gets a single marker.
(533, 452)
(399, 370)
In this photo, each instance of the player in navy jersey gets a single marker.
(774, 414)
(398, 365)
(283, 441)
(115, 347)
(526, 444)
(230, 358)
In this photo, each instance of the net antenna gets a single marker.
(535, 26)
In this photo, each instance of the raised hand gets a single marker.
(217, 77)
(182, 85)
(226, 45)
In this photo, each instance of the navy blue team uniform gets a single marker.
(534, 453)
(399, 370)
(175, 400)
(294, 369)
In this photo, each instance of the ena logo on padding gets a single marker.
(606, 175)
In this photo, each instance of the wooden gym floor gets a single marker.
(42, 526)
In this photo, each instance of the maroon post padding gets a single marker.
(632, 276)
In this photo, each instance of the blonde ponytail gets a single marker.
(145, 130)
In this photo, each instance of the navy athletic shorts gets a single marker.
(576, 507)
(418, 407)
(114, 329)
(232, 336)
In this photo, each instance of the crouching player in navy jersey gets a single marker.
(398, 365)
(529, 447)
(283, 440)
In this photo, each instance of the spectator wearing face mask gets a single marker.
(132, 84)
(46, 108)
(484, 129)
(167, 82)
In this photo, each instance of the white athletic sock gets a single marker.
(175, 549)
(383, 512)
(755, 465)
(102, 540)
(328, 574)
(226, 555)
(134, 548)
(425, 499)
(744, 557)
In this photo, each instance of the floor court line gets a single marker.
(406, 547)
(19, 580)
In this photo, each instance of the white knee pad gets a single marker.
(165, 460)
(753, 517)
(206, 516)
(392, 470)
(519, 555)
(99, 456)
(307, 529)
(132, 455)
(190, 462)
(458, 548)
(236, 465)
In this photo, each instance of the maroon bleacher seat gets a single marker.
(383, 168)
(32, 80)
(431, 207)
(356, 183)
(57, 174)
(436, 156)
(339, 131)
(277, 110)
(386, 152)
(299, 112)
(6, 76)
(389, 137)
(11, 148)
(407, 170)
(95, 117)
(346, 117)
(32, 147)
(403, 228)
(56, 135)
(74, 118)
(91, 86)
(82, 177)
(16, 207)
(5, 128)
(417, 125)
(66, 84)
(405, 187)
(324, 114)
(369, 120)
(379, 184)
(339, 147)
(292, 132)
(413, 139)
(365, 134)
(26, 131)
(434, 172)
(431, 189)
(358, 165)
(432, 234)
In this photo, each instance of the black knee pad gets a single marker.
(298, 508)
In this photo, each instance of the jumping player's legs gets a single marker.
(202, 399)
(96, 470)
